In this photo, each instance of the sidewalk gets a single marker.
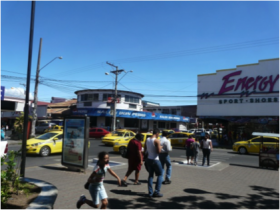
(222, 186)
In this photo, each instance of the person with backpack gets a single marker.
(207, 147)
(189, 150)
(96, 187)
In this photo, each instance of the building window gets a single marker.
(87, 104)
(131, 123)
(90, 97)
(165, 111)
(173, 111)
(106, 96)
(173, 125)
(161, 124)
(131, 99)
(132, 106)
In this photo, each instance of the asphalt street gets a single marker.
(217, 156)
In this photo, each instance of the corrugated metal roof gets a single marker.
(64, 104)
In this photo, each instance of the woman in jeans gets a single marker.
(207, 147)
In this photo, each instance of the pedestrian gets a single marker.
(196, 147)
(153, 148)
(189, 150)
(2, 132)
(206, 149)
(165, 158)
(96, 187)
(135, 159)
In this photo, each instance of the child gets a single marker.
(96, 187)
(196, 146)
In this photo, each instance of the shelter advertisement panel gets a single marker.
(75, 142)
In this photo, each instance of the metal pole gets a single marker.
(36, 91)
(26, 108)
(115, 100)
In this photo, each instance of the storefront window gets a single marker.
(161, 124)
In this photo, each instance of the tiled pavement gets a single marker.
(220, 186)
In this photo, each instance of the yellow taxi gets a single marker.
(121, 145)
(45, 144)
(178, 138)
(169, 131)
(253, 145)
(55, 128)
(114, 133)
(118, 135)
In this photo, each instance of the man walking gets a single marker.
(165, 158)
(153, 148)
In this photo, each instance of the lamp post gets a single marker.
(36, 88)
(116, 72)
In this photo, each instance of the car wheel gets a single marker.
(242, 150)
(45, 151)
(122, 150)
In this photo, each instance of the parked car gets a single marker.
(43, 127)
(97, 132)
(253, 145)
(121, 145)
(111, 140)
(179, 138)
(4, 148)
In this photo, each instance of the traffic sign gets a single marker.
(2, 92)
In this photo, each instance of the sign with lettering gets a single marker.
(130, 114)
(248, 90)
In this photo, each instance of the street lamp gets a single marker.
(36, 88)
(117, 72)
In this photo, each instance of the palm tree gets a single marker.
(19, 124)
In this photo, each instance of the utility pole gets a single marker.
(34, 119)
(116, 93)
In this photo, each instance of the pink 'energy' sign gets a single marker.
(258, 82)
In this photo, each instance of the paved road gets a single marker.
(217, 156)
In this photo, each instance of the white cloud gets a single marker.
(17, 92)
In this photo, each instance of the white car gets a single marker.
(4, 148)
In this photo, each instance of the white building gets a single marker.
(130, 114)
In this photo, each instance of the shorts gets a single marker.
(97, 193)
(189, 152)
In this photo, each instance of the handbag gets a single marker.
(125, 154)
(86, 185)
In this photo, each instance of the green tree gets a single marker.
(19, 123)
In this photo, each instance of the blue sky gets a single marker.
(166, 44)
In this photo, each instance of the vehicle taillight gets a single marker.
(6, 149)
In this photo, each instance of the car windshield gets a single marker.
(46, 136)
(119, 133)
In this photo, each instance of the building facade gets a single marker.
(96, 103)
(244, 99)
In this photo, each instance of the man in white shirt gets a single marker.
(165, 158)
(153, 148)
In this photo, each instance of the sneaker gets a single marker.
(167, 181)
(81, 201)
(124, 183)
(157, 195)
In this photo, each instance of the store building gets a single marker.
(130, 114)
(244, 99)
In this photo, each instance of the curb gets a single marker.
(47, 196)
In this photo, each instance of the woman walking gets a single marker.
(207, 147)
(189, 151)
(96, 187)
(135, 159)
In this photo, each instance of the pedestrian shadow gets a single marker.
(263, 198)
(113, 182)
(141, 181)
(58, 168)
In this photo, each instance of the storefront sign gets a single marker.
(75, 142)
(130, 114)
(251, 100)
